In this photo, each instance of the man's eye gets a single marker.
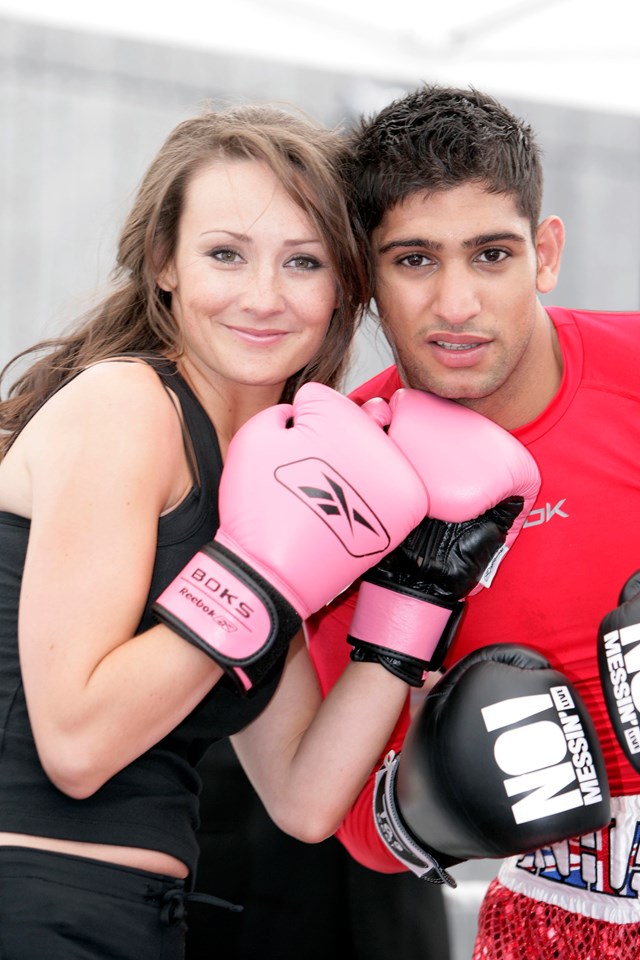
(493, 255)
(415, 260)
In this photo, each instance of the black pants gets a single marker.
(59, 907)
(300, 900)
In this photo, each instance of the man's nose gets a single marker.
(456, 297)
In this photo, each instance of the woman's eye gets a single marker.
(225, 255)
(304, 263)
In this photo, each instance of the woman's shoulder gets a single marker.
(129, 391)
(113, 418)
(134, 373)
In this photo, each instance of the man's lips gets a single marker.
(456, 341)
(448, 345)
(457, 351)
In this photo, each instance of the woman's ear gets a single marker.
(549, 246)
(166, 279)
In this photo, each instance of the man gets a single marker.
(448, 186)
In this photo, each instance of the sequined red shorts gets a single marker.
(515, 927)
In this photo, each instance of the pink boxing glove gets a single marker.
(468, 463)
(481, 484)
(312, 494)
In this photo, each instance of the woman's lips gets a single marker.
(263, 337)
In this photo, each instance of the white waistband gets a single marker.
(597, 875)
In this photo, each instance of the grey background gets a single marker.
(82, 115)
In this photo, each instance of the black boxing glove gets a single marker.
(411, 603)
(501, 759)
(619, 663)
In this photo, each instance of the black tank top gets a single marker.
(153, 802)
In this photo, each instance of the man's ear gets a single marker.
(549, 246)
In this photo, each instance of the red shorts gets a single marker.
(575, 900)
(514, 927)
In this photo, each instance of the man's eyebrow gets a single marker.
(482, 239)
(424, 243)
(409, 242)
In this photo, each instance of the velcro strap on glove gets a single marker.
(394, 833)
(411, 634)
(225, 608)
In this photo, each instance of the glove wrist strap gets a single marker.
(221, 605)
(400, 624)
(409, 671)
(393, 832)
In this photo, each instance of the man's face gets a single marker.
(458, 275)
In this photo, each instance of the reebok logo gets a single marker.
(339, 505)
(545, 514)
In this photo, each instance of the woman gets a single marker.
(238, 280)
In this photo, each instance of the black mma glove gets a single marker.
(619, 662)
(501, 759)
(410, 604)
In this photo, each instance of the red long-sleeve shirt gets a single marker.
(579, 545)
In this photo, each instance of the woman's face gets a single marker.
(251, 285)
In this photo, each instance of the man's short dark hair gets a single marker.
(436, 138)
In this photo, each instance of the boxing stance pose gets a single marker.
(243, 611)
(144, 616)
(448, 186)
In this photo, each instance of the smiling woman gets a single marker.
(238, 282)
(250, 281)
